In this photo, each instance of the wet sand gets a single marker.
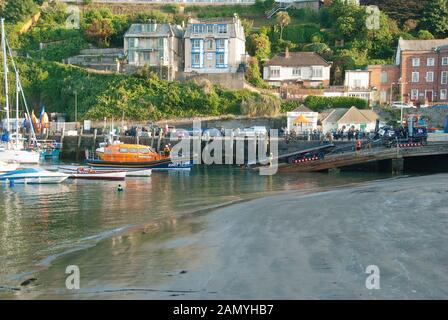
(318, 246)
(290, 246)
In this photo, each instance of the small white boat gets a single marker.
(130, 172)
(19, 156)
(8, 167)
(33, 176)
(139, 173)
(91, 174)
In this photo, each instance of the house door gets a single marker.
(428, 95)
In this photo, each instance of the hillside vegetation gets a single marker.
(338, 33)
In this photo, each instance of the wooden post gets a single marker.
(153, 132)
(79, 144)
(159, 143)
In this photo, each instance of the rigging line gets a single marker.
(21, 91)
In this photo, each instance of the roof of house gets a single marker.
(234, 27)
(335, 114)
(421, 45)
(297, 59)
(302, 108)
(160, 30)
(352, 115)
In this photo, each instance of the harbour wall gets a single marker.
(74, 147)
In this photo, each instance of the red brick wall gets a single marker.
(423, 86)
(375, 81)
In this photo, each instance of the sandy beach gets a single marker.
(287, 246)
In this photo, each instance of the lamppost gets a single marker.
(401, 84)
(391, 93)
(76, 107)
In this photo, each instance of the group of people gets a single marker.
(351, 134)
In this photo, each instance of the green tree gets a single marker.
(253, 74)
(100, 32)
(19, 10)
(283, 20)
(435, 17)
(425, 35)
(259, 46)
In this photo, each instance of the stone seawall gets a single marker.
(74, 147)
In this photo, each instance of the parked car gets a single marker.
(255, 131)
(194, 131)
(399, 105)
(440, 106)
(211, 133)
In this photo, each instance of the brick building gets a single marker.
(419, 76)
(384, 82)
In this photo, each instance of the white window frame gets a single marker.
(416, 62)
(444, 61)
(133, 43)
(415, 77)
(444, 77)
(443, 94)
(222, 28)
(384, 77)
(131, 56)
(220, 43)
(318, 72)
(414, 94)
(274, 72)
(430, 76)
(432, 63)
(196, 43)
(197, 28)
(193, 62)
(296, 71)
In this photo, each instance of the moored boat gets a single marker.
(51, 151)
(33, 176)
(8, 167)
(19, 156)
(91, 174)
(135, 157)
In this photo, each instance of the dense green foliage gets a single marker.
(338, 33)
(319, 103)
(134, 97)
(19, 10)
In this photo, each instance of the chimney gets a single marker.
(286, 52)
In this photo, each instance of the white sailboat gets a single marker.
(8, 167)
(14, 151)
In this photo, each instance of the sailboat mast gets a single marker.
(5, 67)
(17, 108)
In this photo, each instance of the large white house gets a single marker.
(357, 84)
(154, 44)
(307, 69)
(214, 45)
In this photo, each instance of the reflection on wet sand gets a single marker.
(139, 238)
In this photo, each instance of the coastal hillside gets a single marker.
(400, 10)
(337, 33)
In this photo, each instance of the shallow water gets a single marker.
(44, 228)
